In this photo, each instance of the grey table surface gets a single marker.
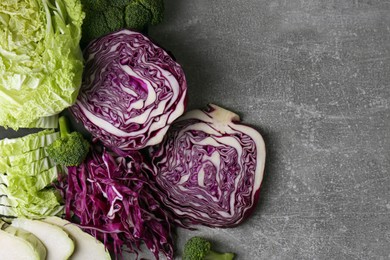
(314, 78)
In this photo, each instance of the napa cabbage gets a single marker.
(41, 62)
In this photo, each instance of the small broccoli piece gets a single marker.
(70, 149)
(105, 16)
(198, 248)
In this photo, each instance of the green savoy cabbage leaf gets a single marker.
(40, 59)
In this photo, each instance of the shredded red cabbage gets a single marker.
(113, 201)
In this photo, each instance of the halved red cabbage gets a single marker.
(132, 90)
(209, 168)
(114, 202)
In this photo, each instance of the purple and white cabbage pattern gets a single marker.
(132, 91)
(109, 197)
(209, 168)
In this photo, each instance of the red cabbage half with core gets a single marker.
(209, 168)
(132, 90)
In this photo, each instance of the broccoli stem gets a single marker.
(212, 255)
(64, 126)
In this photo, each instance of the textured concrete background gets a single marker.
(314, 77)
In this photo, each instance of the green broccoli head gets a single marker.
(95, 5)
(93, 27)
(70, 149)
(137, 16)
(156, 9)
(105, 16)
(198, 248)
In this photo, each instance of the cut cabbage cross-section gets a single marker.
(209, 168)
(132, 91)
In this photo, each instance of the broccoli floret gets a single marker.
(105, 16)
(137, 16)
(70, 149)
(198, 248)
(156, 8)
(95, 5)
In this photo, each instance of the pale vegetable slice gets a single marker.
(87, 247)
(18, 244)
(57, 242)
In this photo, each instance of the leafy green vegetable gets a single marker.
(26, 177)
(40, 60)
(44, 122)
(25, 158)
(105, 16)
(198, 248)
(27, 143)
(31, 195)
(70, 149)
(31, 169)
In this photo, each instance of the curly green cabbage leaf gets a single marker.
(40, 59)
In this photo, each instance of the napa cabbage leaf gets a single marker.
(40, 59)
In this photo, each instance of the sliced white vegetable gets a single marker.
(57, 242)
(18, 244)
(86, 246)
